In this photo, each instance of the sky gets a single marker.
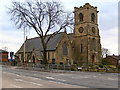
(12, 38)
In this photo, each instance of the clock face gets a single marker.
(93, 29)
(81, 29)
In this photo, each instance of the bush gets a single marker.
(73, 68)
(104, 61)
(90, 65)
(100, 65)
(119, 67)
(112, 66)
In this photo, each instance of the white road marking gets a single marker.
(50, 78)
(22, 76)
(15, 86)
(111, 79)
(61, 74)
(61, 80)
(20, 80)
(33, 78)
(94, 76)
(18, 75)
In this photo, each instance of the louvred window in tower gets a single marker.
(93, 17)
(81, 17)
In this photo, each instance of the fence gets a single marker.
(38, 66)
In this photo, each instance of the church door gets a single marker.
(33, 59)
(93, 57)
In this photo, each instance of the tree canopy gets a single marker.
(44, 17)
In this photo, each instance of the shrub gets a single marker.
(91, 65)
(100, 65)
(119, 67)
(112, 66)
(104, 61)
(73, 68)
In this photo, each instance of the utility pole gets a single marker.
(24, 45)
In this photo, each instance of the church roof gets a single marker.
(35, 43)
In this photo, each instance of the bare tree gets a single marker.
(105, 52)
(5, 48)
(43, 17)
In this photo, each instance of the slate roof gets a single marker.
(115, 57)
(3, 51)
(35, 43)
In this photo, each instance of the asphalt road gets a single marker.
(18, 78)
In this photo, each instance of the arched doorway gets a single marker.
(33, 59)
(93, 58)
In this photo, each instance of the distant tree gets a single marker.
(105, 52)
(5, 48)
(43, 17)
(104, 61)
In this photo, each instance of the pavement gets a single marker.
(20, 78)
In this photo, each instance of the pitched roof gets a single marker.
(115, 57)
(3, 51)
(35, 43)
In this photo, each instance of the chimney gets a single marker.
(26, 37)
(106, 55)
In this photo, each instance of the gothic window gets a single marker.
(93, 44)
(33, 59)
(81, 29)
(93, 29)
(81, 17)
(65, 49)
(81, 48)
(93, 17)
(22, 57)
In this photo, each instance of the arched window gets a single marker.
(93, 44)
(22, 57)
(33, 59)
(93, 17)
(65, 49)
(81, 48)
(81, 17)
(93, 29)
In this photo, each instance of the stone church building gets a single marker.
(80, 47)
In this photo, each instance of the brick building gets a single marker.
(113, 60)
(81, 47)
(3, 56)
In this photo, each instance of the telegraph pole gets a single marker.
(24, 45)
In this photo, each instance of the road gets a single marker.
(19, 78)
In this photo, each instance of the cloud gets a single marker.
(107, 22)
(109, 40)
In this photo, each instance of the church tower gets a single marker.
(86, 42)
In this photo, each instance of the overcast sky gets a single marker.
(13, 38)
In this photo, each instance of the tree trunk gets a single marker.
(44, 57)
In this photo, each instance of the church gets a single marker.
(80, 47)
